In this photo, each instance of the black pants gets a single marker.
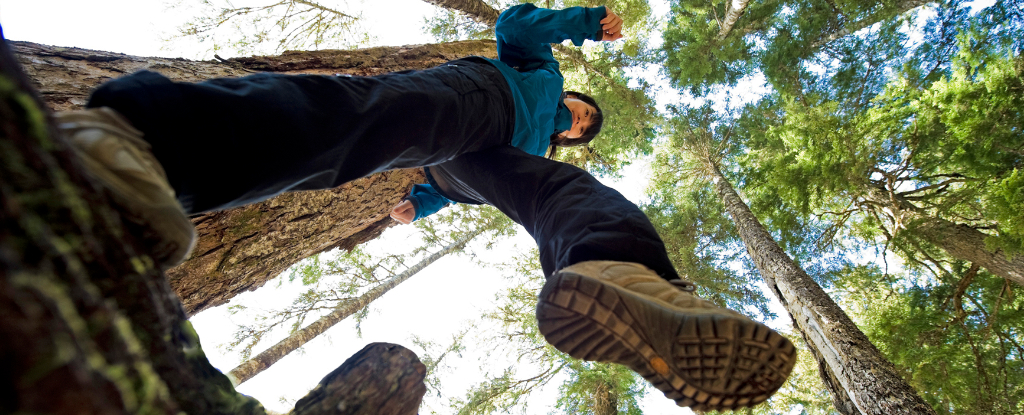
(228, 142)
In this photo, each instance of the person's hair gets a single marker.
(596, 121)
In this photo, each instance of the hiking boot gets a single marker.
(701, 355)
(116, 155)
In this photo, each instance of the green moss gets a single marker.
(138, 389)
(245, 223)
(218, 388)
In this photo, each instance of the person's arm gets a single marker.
(423, 200)
(525, 32)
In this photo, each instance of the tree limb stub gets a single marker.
(381, 379)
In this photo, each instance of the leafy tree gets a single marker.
(956, 336)
(368, 278)
(705, 46)
(510, 332)
(839, 347)
(272, 28)
(700, 239)
(926, 165)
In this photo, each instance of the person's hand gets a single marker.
(404, 212)
(611, 26)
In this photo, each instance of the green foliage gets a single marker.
(695, 57)
(271, 28)
(701, 240)
(336, 279)
(957, 341)
(1007, 201)
(599, 389)
(937, 143)
(450, 26)
(777, 38)
(514, 335)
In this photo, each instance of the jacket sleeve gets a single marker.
(426, 200)
(525, 32)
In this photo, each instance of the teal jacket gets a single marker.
(525, 34)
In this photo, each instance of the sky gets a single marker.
(434, 304)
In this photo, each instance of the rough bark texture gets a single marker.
(88, 325)
(252, 367)
(381, 379)
(860, 379)
(958, 240)
(243, 248)
(732, 14)
(474, 9)
(605, 402)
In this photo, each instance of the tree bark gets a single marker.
(243, 248)
(91, 327)
(88, 327)
(252, 367)
(733, 12)
(859, 378)
(958, 240)
(381, 379)
(605, 402)
(477, 10)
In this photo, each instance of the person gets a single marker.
(164, 148)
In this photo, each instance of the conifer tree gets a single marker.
(719, 42)
(918, 149)
(365, 279)
(509, 333)
(843, 352)
(272, 28)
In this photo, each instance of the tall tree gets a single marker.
(89, 325)
(243, 248)
(710, 43)
(957, 335)
(271, 28)
(345, 308)
(589, 387)
(922, 155)
(365, 278)
(843, 352)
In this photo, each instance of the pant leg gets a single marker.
(572, 216)
(228, 142)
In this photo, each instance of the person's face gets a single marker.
(582, 114)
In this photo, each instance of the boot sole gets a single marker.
(714, 361)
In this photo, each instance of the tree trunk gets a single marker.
(89, 328)
(858, 377)
(252, 367)
(474, 9)
(243, 248)
(852, 27)
(381, 379)
(958, 240)
(605, 402)
(733, 12)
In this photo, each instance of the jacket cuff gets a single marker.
(600, 31)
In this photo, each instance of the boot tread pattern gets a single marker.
(716, 361)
